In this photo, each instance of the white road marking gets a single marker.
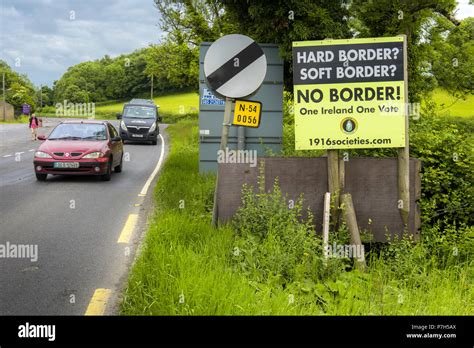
(157, 168)
(17, 153)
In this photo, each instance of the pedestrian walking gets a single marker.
(33, 125)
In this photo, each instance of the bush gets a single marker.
(444, 145)
(275, 244)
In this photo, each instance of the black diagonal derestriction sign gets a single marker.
(235, 66)
(231, 68)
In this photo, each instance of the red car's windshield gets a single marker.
(79, 131)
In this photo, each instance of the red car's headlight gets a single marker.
(41, 154)
(94, 155)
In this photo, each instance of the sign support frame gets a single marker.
(404, 152)
(333, 182)
(224, 139)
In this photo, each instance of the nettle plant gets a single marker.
(276, 241)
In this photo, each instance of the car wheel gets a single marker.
(41, 177)
(108, 175)
(118, 169)
(154, 142)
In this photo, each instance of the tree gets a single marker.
(283, 22)
(19, 89)
(187, 24)
(191, 22)
(174, 66)
(74, 94)
(452, 56)
(19, 94)
(394, 17)
(47, 95)
(280, 22)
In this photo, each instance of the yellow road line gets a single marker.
(127, 230)
(98, 302)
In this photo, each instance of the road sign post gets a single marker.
(224, 139)
(234, 67)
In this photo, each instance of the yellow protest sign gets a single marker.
(349, 93)
(247, 113)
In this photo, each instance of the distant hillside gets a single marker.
(172, 66)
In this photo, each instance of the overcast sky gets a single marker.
(44, 37)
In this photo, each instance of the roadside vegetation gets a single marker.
(269, 261)
(173, 106)
(20, 119)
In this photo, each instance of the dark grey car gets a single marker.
(140, 120)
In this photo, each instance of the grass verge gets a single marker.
(186, 267)
(21, 119)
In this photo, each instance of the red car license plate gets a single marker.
(66, 165)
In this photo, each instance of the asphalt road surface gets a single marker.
(74, 222)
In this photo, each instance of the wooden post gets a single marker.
(341, 186)
(333, 182)
(223, 146)
(351, 222)
(342, 174)
(404, 152)
(326, 215)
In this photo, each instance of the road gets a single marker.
(74, 222)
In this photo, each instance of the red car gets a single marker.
(80, 148)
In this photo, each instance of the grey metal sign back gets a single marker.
(235, 66)
(267, 138)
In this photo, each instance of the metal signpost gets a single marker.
(262, 140)
(234, 67)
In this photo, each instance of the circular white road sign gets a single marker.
(235, 66)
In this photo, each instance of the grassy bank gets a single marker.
(21, 119)
(448, 105)
(172, 107)
(266, 262)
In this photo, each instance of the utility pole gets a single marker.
(41, 97)
(151, 91)
(4, 98)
